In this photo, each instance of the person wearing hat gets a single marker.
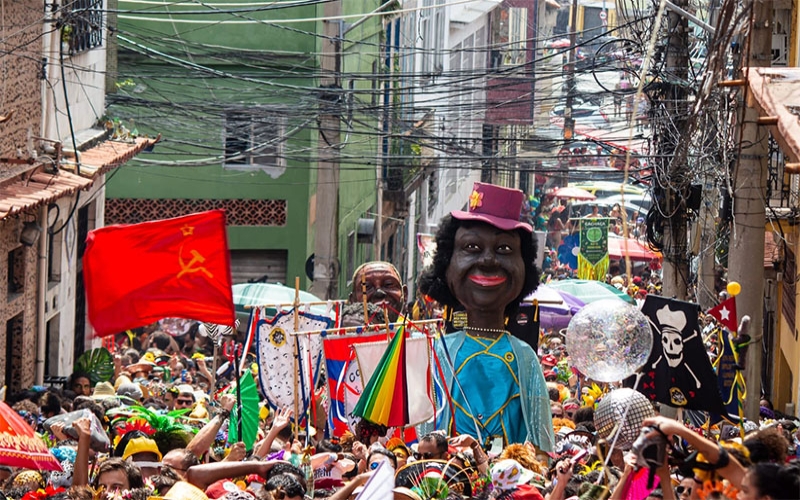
(485, 262)
(130, 393)
(137, 447)
(186, 398)
(511, 480)
(400, 450)
(103, 390)
(383, 287)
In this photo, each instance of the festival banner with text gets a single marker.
(593, 253)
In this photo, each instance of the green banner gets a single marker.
(593, 256)
(594, 239)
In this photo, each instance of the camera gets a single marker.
(650, 448)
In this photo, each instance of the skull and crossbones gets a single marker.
(672, 340)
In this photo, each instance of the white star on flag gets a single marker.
(725, 314)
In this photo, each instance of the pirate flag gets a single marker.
(678, 372)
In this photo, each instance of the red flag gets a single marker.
(141, 273)
(725, 313)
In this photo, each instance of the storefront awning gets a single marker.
(619, 248)
(776, 92)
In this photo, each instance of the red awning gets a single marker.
(618, 248)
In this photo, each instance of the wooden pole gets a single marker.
(375, 328)
(291, 304)
(364, 297)
(296, 354)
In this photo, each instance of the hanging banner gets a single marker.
(593, 250)
(277, 350)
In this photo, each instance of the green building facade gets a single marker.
(234, 90)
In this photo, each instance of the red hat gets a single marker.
(221, 488)
(494, 205)
(549, 360)
(527, 492)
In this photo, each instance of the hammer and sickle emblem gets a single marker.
(194, 265)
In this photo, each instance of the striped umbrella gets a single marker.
(590, 290)
(259, 294)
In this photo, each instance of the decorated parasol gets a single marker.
(250, 411)
(573, 193)
(19, 446)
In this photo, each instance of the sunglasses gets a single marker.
(374, 465)
(426, 456)
(559, 415)
(184, 402)
(680, 490)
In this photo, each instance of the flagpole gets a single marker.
(364, 329)
(239, 416)
(291, 304)
(296, 354)
(364, 297)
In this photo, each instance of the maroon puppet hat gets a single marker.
(495, 205)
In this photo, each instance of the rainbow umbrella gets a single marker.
(383, 400)
(19, 446)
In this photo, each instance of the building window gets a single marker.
(438, 38)
(54, 255)
(509, 33)
(83, 25)
(53, 346)
(13, 361)
(789, 296)
(16, 272)
(254, 139)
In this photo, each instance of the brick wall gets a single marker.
(17, 305)
(20, 87)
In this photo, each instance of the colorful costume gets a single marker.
(499, 381)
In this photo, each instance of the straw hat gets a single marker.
(183, 491)
(143, 365)
(104, 390)
(122, 379)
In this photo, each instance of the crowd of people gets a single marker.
(178, 447)
(518, 421)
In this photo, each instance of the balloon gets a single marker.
(608, 340)
(734, 288)
(611, 409)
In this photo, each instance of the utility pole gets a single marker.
(746, 253)
(705, 248)
(671, 166)
(326, 241)
(569, 121)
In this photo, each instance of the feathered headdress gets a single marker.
(165, 430)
